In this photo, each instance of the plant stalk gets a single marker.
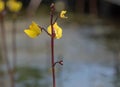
(5, 51)
(14, 30)
(52, 47)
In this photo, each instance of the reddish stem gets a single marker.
(45, 31)
(5, 51)
(52, 45)
(59, 62)
(14, 43)
(4, 45)
(55, 19)
(14, 30)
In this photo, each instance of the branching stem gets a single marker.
(52, 45)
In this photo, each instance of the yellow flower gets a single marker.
(2, 6)
(57, 30)
(62, 14)
(33, 31)
(14, 6)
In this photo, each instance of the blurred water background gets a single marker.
(89, 46)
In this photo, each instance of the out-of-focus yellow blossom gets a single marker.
(2, 5)
(56, 70)
(14, 5)
(62, 14)
(57, 30)
(33, 31)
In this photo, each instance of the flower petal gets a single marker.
(30, 33)
(14, 6)
(35, 27)
(57, 30)
(2, 6)
(62, 14)
(33, 30)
